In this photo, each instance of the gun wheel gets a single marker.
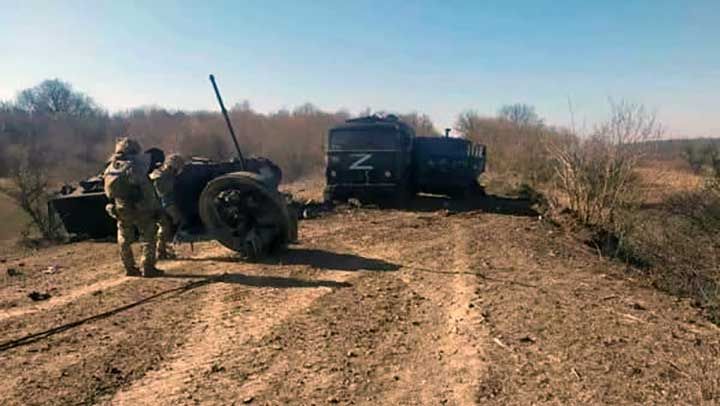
(244, 214)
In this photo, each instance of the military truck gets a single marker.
(369, 158)
(235, 202)
(447, 166)
(375, 158)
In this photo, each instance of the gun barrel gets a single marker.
(227, 121)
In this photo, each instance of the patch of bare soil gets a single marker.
(439, 305)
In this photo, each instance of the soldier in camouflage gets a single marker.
(171, 218)
(134, 205)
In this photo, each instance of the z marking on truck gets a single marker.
(358, 165)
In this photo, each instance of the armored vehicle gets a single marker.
(235, 202)
(369, 158)
(448, 166)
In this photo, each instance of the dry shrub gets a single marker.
(28, 190)
(674, 242)
(514, 150)
(680, 241)
(596, 176)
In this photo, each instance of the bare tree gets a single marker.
(520, 114)
(29, 191)
(421, 123)
(468, 123)
(307, 109)
(517, 153)
(597, 174)
(56, 97)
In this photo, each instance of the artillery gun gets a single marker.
(235, 202)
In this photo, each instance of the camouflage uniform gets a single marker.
(163, 179)
(140, 215)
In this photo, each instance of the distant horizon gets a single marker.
(425, 57)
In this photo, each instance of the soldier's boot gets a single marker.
(153, 272)
(128, 261)
(133, 272)
(149, 260)
(165, 251)
(165, 237)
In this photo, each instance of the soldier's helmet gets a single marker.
(127, 146)
(175, 163)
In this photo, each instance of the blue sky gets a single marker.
(440, 57)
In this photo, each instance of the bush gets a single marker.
(596, 176)
(29, 191)
(680, 242)
(514, 149)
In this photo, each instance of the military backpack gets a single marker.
(121, 181)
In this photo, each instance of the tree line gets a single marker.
(55, 127)
(64, 131)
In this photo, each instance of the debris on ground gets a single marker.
(38, 296)
(51, 269)
(311, 209)
(13, 272)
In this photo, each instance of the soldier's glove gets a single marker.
(110, 209)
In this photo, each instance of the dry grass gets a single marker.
(12, 218)
(670, 234)
(660, 180)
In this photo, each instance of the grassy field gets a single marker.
(12, 219)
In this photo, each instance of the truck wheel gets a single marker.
(476, 190)
(241, 212)
(334, 197)
(402, 197)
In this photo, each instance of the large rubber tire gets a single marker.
(403, 196)
(332, 197)
(274, 208)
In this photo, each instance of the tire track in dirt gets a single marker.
(75, 294)
(204, 344)
(259, 383)
(70, 263)
(455, 345)
(344, 349)
(229, 325)
(466, 334)
(77, 365)
(67, 298)
(57, 308)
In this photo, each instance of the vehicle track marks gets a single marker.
(75, 294)
(448, 359)
(227, 326)
(66, 298)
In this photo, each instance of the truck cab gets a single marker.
(368, 158)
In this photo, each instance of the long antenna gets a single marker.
(227, 121)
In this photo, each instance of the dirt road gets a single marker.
(374, 307)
